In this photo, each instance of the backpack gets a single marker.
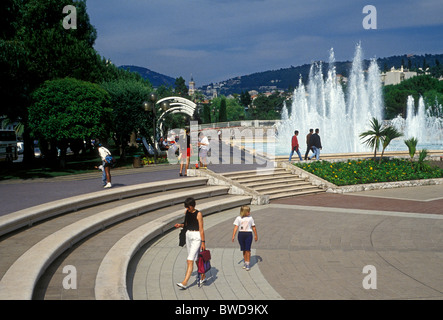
(203, 262)
(110, 160)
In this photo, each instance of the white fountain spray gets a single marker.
(322, 105)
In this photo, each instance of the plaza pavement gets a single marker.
(310, 247)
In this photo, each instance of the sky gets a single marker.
(216, 40)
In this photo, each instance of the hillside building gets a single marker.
(395, 76)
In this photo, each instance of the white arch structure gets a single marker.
(176, 105)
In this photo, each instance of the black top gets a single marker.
(315, 141)
(191, 222)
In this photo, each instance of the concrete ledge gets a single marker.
(110, 283)
(385, 185)
(235, 187)
(330, 187)
(27, 217)
(19, 281)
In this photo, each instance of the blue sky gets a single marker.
(215, 40)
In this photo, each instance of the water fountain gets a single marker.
(322, 104)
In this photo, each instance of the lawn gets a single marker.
(369, 171)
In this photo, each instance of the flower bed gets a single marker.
(354, 172)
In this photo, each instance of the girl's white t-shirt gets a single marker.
(245, 223)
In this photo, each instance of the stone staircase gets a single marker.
(276, 183)
(96, 234)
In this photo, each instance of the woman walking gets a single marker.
(195, 239)
(245, 225)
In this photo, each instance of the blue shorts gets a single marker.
(245, 240)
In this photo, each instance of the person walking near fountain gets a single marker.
(315, 143)
(308, 147)
(295, 146)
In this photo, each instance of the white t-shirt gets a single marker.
(204, 143)
(103, 152)
(245, 223)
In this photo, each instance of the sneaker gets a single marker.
(247, 267)
(181, 286)
(200, 283)
(108, 185)
(244, 266)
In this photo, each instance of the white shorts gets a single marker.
(193, 244)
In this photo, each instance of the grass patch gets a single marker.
(354, 172)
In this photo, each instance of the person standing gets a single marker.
(315, 143)
(308, 147)
(195, 239)
(295, 146)
(203, 150)
(185, 152)
(106, 176)
(245, 225)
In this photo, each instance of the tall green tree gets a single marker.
(222, 113)
(128, 115)
(180, 87)
(245, 99)
(35, 47)
(66, 110)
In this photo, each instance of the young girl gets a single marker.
(245, 225)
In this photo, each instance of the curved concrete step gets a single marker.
(111, 277)
(14, 244)
(261, 178)
(19, 281)
(275, 181)
(29, 216)
(280, 186)
(249, 173)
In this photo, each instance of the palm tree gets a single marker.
(374, 136)
(390, 133)
(412, 145)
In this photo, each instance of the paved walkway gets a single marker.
(310, 247)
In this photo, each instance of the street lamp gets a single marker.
(150, 106)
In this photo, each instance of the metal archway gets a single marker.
(176, 105)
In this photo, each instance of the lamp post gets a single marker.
(150, 106)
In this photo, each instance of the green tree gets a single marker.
(206, 114)
(374, 136)
(180, 87)
(411, 143)
(128, 115)
(390, 133)
(34, 47)
(222, 113)
(66, 110)
(245, 99)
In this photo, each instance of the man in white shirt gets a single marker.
(203, 149)
(106, 177)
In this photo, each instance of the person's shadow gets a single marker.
(211, 276)
(254, 260)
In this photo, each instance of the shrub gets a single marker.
(369, 171)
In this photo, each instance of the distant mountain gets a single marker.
(288, 78)
(155, 78)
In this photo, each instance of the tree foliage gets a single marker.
(396, 96)
(66, 110)
(128, 116)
